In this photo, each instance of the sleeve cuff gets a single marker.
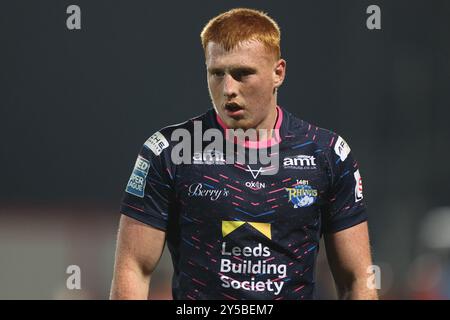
(144, 217)
(344, 223)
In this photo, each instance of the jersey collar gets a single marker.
(276, 138)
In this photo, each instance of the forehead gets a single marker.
(249, 53)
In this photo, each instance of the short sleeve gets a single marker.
(149, 190)
(344, 207)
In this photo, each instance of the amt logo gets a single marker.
(300, 162)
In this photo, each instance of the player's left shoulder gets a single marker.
(323, 140)
(326, 140)
(333, 142)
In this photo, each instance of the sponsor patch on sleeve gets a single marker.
(136, 184)
(157, 143)
(358, 186)
(341, 148)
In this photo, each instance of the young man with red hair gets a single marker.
(239, 230)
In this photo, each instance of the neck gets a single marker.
(265, 128)
(269, 135)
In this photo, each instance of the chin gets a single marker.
(240, 124)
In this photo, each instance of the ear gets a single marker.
(279, 72)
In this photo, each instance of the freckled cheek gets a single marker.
(258, 92)
(216, 90)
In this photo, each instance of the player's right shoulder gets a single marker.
(161, 140)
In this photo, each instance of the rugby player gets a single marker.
(241, 230)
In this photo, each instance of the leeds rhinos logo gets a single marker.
(302, 195)
(230, 226)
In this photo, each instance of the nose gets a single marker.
(229, 86)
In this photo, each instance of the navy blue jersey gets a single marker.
(234, 233)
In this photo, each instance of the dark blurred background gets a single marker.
(76, 106)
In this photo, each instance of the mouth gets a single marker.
(233, 109)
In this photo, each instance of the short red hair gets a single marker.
(238, 25)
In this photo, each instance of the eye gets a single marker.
(240, 74)
(245, 73)
(217, 73)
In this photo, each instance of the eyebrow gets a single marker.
(233, 69)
